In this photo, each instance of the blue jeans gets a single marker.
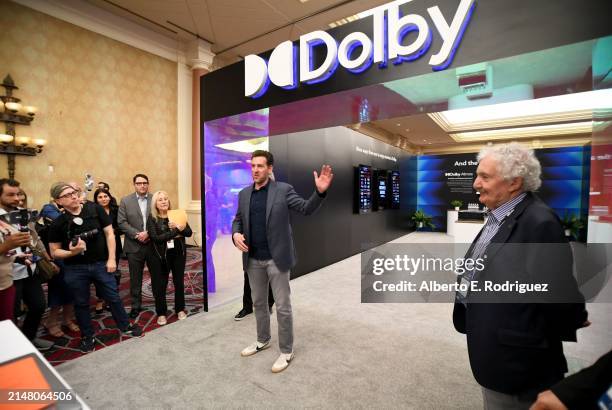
(79, 278)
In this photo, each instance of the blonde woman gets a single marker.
(168, 253)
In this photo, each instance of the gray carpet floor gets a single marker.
(348, 355)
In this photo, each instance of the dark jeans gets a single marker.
(160, 270)
(136, 263)
(30, 291)
(247, 300)
(117, 273)
(58, 293)
(79, 278)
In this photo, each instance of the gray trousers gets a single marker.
(493, 400)
(136, 263)
(260, 274)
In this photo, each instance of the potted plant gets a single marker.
(422, 220)
(572, 224)
(456, 204)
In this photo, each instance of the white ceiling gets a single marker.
(235, 27)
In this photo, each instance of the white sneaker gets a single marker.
(282, 362)
(161, 320)
(254, 348)
(182, 315)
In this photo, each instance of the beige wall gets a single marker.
(104, 107)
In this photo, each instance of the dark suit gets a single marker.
(131, 222)
(583, 390)
(515, 348)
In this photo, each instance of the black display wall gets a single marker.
(335, 232)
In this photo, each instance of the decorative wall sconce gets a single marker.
(13, 113)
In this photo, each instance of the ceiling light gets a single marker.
(246, 145)
(549, 130)
(568, 107)
(353, 17)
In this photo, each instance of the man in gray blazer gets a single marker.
(132, 219)
(262, 231)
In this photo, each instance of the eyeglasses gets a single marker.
(141, 183)
(68, 195)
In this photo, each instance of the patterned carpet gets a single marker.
(67, 347)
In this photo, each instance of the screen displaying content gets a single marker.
(395, 189)
(363, 189)
(381, 201)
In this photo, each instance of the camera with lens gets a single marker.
(84, 236)
(20, 218)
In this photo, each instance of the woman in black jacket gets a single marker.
(168, 253)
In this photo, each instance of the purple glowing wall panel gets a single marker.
(226, 172)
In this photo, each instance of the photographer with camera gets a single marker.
(9, 240)
(83, 237)
(28, 286)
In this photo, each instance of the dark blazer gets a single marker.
(583, 390)
(160, 234)
(516, 348)
(281, 199)
(131, 222)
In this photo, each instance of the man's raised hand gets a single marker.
(323, 181)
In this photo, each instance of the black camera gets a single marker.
(20, 218)
(84, 236)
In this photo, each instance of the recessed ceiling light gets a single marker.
(583, 127)
(398, 124)
(424, 140)
(246, 145)
(569, 107)
(407, 129)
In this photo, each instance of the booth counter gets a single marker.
(462, 231)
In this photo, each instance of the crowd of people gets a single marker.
(75, 242)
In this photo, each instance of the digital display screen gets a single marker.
(364, 188)
(382, 188)
(395, 189)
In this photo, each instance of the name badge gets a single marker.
(170, 244)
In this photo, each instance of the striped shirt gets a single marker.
(494, 221)
(489, 230)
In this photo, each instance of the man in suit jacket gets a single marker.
(515, 348)
(262, 231)
(132, 219)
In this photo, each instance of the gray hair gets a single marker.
(514, 160)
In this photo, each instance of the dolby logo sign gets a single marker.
(290, 65)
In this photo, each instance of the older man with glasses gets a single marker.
(83, 237)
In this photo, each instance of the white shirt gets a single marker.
(19, 271)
